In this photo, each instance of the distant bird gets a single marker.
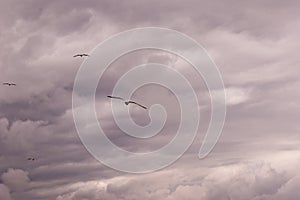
(81, 55)
(126, 102)
(31, 158)
(9, 84)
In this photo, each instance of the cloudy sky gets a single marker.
(254, 43)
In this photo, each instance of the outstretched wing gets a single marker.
(80, 55)
(137, 104)
(9, 84)
(112, 97)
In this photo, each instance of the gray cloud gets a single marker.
(254, 43)
(16, 179)
(4, 192)
(239, 181)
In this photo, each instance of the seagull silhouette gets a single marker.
(81, 55)
(31, 158)
(126, 102)
(9, 84)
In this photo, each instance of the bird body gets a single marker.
(126, 102)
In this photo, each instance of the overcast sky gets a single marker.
(254, 43)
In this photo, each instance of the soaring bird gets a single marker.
(127, 102)
(81, 55)
(9, 84)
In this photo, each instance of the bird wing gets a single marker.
(85, 55)
(76, 55)
(9, 84)
(112, 97)
(137, 104)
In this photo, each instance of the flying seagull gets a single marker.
(126, 102)
(80, 55)
(9, 84)
(31, 158)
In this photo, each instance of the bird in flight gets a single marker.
(9, 84)
(81, 55)
(31, 158)
(126, 102)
